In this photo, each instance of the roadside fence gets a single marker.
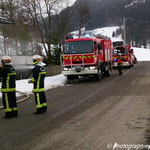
(53, 70)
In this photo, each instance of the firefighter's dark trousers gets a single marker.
(40, 100)
(9, 103)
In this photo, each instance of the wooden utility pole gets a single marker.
(124, 31)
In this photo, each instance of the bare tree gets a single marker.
(34, 20)
(84, 14)
(13, 10)
(41, 11)
(64, 21)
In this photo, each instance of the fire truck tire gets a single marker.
(99, 76)
(129, 65)
(132, 64)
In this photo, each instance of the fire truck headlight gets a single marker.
(92, 67)
(66, 69)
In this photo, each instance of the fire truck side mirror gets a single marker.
(99, 48)
(131, 50)
(59, 48)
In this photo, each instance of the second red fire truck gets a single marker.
(126, 53)
(87, 57)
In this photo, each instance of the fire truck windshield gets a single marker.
(121, 50)
(78, 47)
(118, 43)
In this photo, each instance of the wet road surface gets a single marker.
(85, 115)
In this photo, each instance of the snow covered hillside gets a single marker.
(106, 31)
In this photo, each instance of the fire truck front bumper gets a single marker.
(80, 71)
(126, 64)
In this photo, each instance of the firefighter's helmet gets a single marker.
(119, 55)
(6, 60)
(36, 59)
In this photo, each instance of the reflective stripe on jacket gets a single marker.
(39, 74)
(8, 75)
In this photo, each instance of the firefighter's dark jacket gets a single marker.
(39, 74)
(8, 74)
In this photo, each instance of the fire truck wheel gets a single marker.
(129, 65)
(99, 76)
(132, 65)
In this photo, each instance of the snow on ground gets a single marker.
(142, 54)
(50, 82)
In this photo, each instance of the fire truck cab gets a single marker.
(86, 57)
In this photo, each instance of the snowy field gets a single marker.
(59, 80)
(142, 54)
(50, 82)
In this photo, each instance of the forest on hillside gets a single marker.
(111, 13)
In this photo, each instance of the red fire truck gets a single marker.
(127, 55)
(86, 57)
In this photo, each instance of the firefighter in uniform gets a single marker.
(38, 81)
(120, 64)
(8, 88)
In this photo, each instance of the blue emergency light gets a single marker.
(72, 37)
(87, 35)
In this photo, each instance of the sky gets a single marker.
(60, 5)
(66, 4)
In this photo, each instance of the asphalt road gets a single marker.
(85, 115)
